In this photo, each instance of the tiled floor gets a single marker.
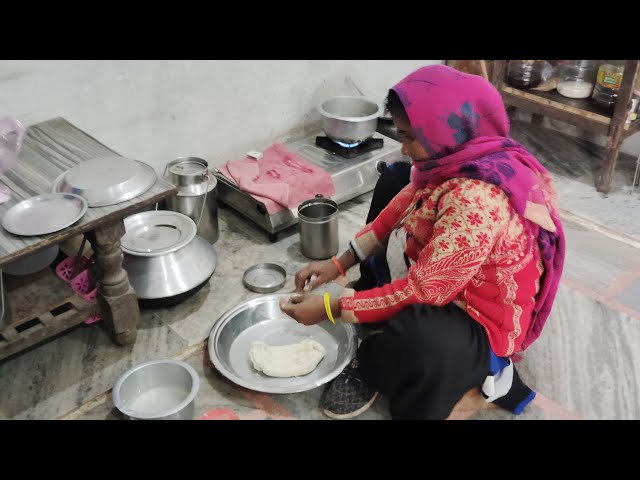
(585, 364)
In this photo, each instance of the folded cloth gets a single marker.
(280, 179)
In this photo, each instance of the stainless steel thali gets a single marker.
(261, 319)
(107, 180)
(44, 214)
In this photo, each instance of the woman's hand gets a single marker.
(307, 309)
(316, 273)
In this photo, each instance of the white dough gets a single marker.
(286, 360)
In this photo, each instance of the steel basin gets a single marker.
(157, 390)
(262, 319)
(349, 120)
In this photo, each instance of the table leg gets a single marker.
(118, 301)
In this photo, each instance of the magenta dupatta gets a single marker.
(461, 122)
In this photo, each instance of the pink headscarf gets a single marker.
(460, 120)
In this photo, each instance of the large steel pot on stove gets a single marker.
(349, 120)
(164, 258)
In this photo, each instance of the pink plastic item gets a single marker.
(84, 287)
(81, 283)
(93, 319)
(65, 268)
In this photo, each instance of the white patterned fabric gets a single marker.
(396, 258)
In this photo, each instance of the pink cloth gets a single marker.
(280, 179)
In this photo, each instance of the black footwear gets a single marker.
(348, 395)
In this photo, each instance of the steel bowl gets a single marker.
(32, 263)
(349, 120)
(157, 390)
(262, 319)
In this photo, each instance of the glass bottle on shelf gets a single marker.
(525, 73)
(608, 82)
(577, 78)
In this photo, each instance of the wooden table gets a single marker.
(49, 149)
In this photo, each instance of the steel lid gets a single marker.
(149, 234)
(107, 180)
(264, 277)
(190, 175)
(188, 167)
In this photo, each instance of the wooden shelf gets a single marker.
(583, 113)
(584, 109)
(579, 112)
(41, 306)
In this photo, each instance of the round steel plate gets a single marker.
(157, 232)
(261, 319)
(44, 214)
(107, 180)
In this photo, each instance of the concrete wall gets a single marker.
(157, 110)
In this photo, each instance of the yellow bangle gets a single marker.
(327, 306)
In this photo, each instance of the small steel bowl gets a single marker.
(157, 390)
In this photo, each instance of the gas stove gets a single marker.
(354, 170)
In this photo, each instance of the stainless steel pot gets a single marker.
(188, 173)
(157, 390)
(349, 120)
(202, 209)
(163, 256)
(197, 194)
(319, 233)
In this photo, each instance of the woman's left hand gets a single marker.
(307, 309)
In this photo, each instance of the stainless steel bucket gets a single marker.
(319, 233)
(197, 195)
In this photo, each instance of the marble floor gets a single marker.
(585, 365)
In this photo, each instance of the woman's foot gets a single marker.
(348, 395)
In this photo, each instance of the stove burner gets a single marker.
(349, 152)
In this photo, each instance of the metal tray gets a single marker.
(261, 319)
(107, 180)
(44, 214)
(264, 278)
(157, 232)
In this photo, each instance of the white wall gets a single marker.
(156, 110)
